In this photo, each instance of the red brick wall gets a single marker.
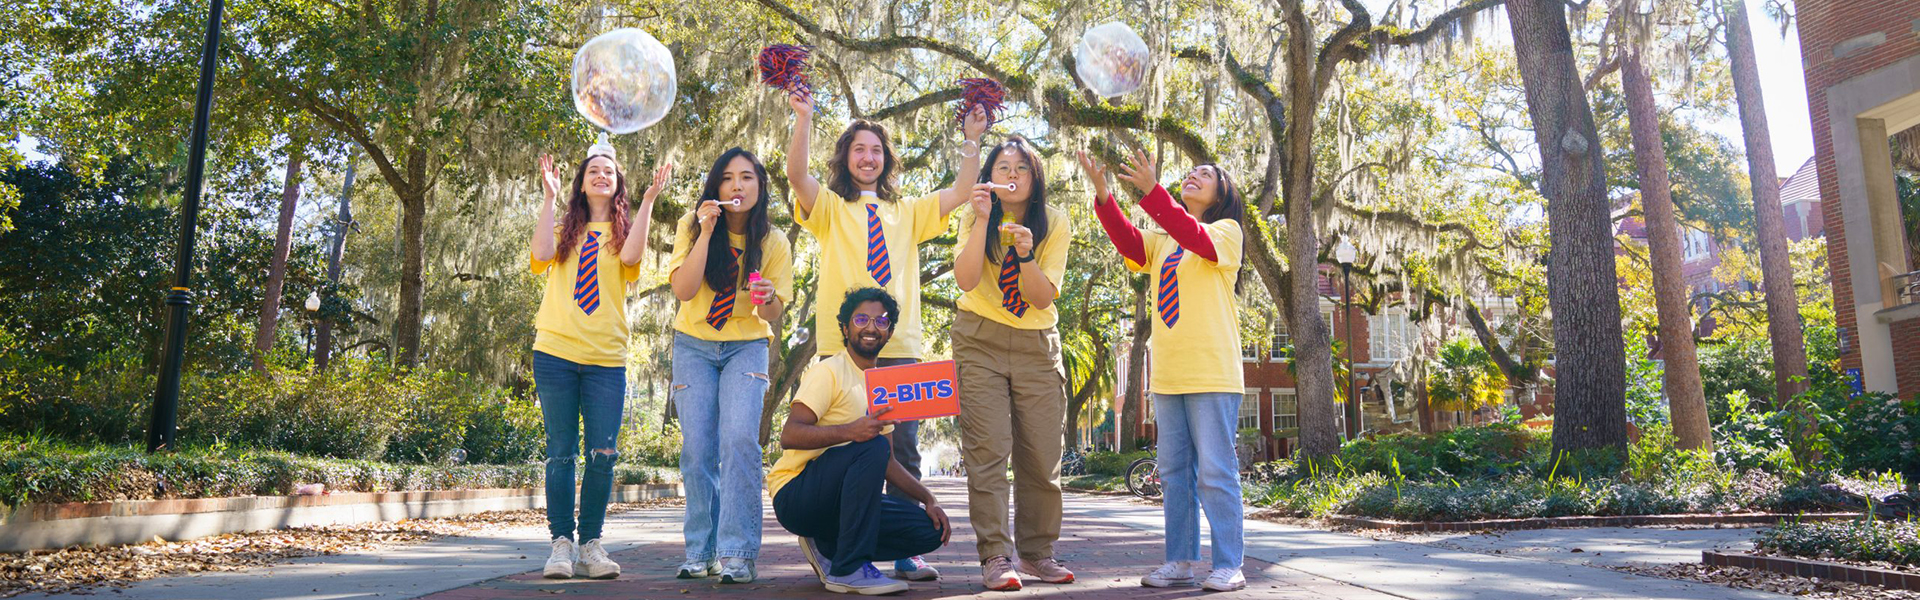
(1906, 355)
(1824, 23)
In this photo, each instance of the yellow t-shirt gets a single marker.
(1200, 353)
(841, 227)
(1050, 256)
(836, 390)
(564, 329)
(776, 266)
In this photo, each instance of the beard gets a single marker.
(865, 348)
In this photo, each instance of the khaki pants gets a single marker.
(1013, 405)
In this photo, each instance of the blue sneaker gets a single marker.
(867, 581)
(914, 569)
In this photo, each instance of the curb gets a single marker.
(1814, 568)
(1560, 522)
(50, 526)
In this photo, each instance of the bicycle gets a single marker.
(1143, 478)
(1073, 463)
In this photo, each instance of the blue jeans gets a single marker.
(718, 388)
(1199, 468)
(573, 395)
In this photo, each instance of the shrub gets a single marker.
(1112, 463)
(1482, 451)
(37, 470)
(1895, 542)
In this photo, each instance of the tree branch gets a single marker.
(890, 43)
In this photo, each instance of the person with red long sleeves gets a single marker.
(1192, 265)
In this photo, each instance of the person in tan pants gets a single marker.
(1013, 396)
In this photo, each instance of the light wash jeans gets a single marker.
(574, 395)
(1199, 468)
(718, 388)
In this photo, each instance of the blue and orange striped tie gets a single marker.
(1010, 286)
(877, 248)
(586, 285)
(723, 299)
(1170, 288)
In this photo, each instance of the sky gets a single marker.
(1782, 82)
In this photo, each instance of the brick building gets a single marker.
(1862, 62)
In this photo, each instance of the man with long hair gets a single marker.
(869, 237)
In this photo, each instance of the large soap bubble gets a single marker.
(623, 80)
(1111, 59)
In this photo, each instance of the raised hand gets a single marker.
(661, 175)
(801, 104)
(869, 426)
(550, 177)
(976, 123)
(1096, 174)
(1140, 172)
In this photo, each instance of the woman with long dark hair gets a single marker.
(580, 346)
(1192, 265)
(733, 276)
(1013, 395)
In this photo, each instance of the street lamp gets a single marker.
(161, 430)
(1343, 253)
(313, 310)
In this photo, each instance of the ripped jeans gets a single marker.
(573, 395)
(718, 388)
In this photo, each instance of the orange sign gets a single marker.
(917, 391)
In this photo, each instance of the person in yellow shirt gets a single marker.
(869, 237)
(1192, 266)
(733, 275)
(1013, 391)
(580, 345)
(826, 486)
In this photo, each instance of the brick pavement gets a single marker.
(1107, 557)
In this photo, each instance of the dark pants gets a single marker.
(836, 500)
(906, 438)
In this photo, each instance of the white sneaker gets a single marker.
(594, 562)
(560, 561)
(1225, 580)
(698, 569)
(1174, 573)
(737, 570)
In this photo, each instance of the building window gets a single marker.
(1389, 336)
(1250, 410)
(1281, 337)
(1286, 411)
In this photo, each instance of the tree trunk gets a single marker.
(277, 273)
(1312, 345)
(1681, 373)
(323, 343)
(1590, 408)
(413, 266)
(1776, 268)
(1134, 402)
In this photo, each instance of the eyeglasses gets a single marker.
(1005, 170)
(863, 320)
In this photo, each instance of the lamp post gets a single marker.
(313, 310)
(323, 353)
(161, 430)
(1343, 253)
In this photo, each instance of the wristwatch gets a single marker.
(1018, 259)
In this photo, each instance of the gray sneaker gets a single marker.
(815, 559)
(736, 570)
(698, 569)
(868, 581)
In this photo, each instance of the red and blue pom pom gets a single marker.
(983, 93)
(784, 66)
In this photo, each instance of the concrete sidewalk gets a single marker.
(1109, 541)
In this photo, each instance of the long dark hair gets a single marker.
(574, 224)
(719, 257)
(1036, 217)
(1229, 205)
(840, 175)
